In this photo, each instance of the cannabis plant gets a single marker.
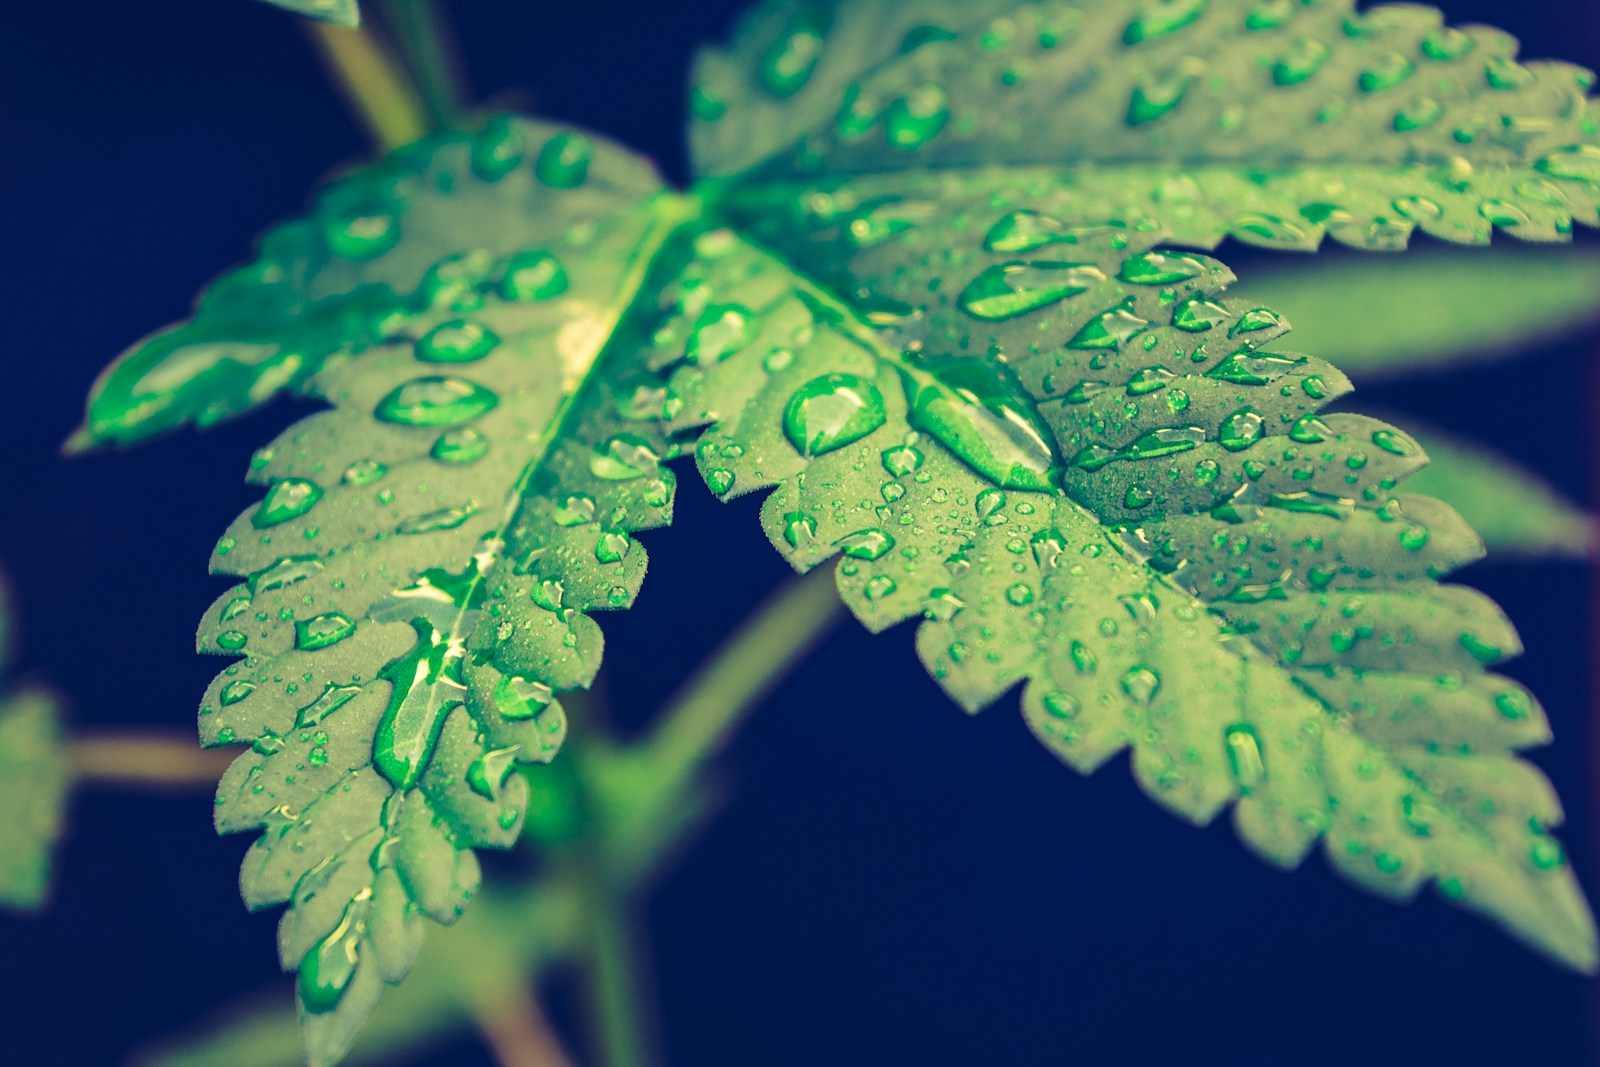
(941, 295)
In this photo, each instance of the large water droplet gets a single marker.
(979, 411)
(520, 698)
(331, 699)
(326, 971)
(831, 411)
(1007, 290)
(457, 341)
(623, 457)
(1160, 268)
(435, 401)
(322, 631)
(1577, 163)
(464, 445)
(498, 148)
(1386, 72)
(720, 331)
(1110, 328)
(788, 62)
(533, 275)
(1158, 18)
(1245, 758)
(563, 162)
(426, 687)
(1300, 61)
(288, 499)
(916, 118)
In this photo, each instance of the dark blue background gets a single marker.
(894, 883)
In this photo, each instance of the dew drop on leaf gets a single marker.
(435, 401)
(287, 499)
(832, 411)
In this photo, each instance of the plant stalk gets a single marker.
(426, 40)
(146, 761)
(621, 1019)
(519, 1034)
(701, 716)
(374, 87)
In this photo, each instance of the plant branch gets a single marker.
(519, 1034)
(425, 38)
(699, 718)
(374, 87)
(146, 761)
(620, 1020)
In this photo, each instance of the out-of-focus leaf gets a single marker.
(339, 12)
(33, 789)
(1433, 309)
(1514, 510)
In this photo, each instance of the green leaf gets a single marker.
(1271, 121)
(996, 384)
(378, 245)
(345, 13)
(1226, 583)
(1430, 311)
(1515, 511)
(416, 581)
(33, 788)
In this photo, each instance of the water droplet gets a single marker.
(464, 445)
(704, 105)
(497, 150)
(563, 162)
(326, 971)
(425, 687)
(1391, 442)
(916, 118)
(1300, 61)
(1246, 760)
(799, 530)
(881, 219)
(1413, 538)
(283, 572)
(1240, 430)
(623, 457)
(232, 640)
(322, 631)
(1141, 684)
(1059, 705)
(288, 499)
(879, 586)
(1083, 658)
(443, 519)
(1156, 96)
(1503, 72)
(1386, 72)
(720, 331)
(1446, 43)
(534, 275)
(866, 544)
(486, 776)
(787, 64)
(1197, 314)
(435, 401)
(1019, 595)
(719, 480)
(1513, 705)
(1109, 329)
(1160, 268)
(363, 472)
(331, 699)
(980, 412)
(1024, 231)
(1546, 853)
(1419, 114)
(902, 460)
(1418, 209)
(832, 411)
(234, 692)
(457, 341)
(362, 237)
(1158, 18)
(1577, 163)
(519, 698)
(1481, 650)
(1007, 290)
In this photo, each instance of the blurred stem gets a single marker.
(422, 30)
(700, 717)
(374, 87)
(146, 761)
(519, 1034)
(694, 726)
(620, 1019)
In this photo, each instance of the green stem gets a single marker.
(621, 1019)
(429, 46)
(519, 1034)
(146, 761)
(701, 716)
(373, 85)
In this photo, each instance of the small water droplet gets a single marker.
(623, 457)
(322, 631)
(1246, 759)
(1007, 290)
(533, 275)
(459, 446)
(518, 698)
(1300, 61)
(563, 162)
(788, 62)
(915, 118)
